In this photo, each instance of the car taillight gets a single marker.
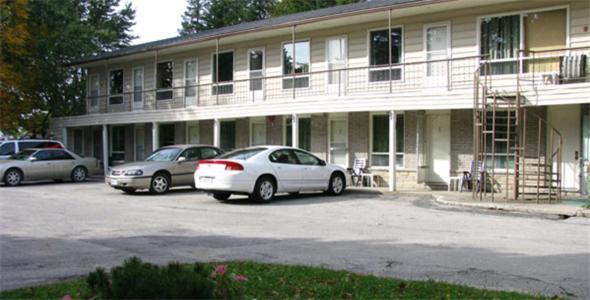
(233, 166)
(229, 165)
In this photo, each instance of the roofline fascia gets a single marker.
(288, 24)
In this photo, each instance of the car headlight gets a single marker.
(133, 173)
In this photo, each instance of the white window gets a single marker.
(380, 140)
(116, 87)
(224, 74)
(296, 62)
(138, 88)
(256, 61)
(379, 52)
(164, 76)
(93, 90)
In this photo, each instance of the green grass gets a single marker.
(270, 281)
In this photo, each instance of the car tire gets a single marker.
(129, 191)
(79, 174)
(264, 189)
(13, 177)
(337, 184)
(221, 196)
(160, 184)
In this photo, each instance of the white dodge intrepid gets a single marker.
(262, 171)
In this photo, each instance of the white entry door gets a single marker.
(192, 133)
(339, 142)
(437, 141)
(139, 143)
(258, 135)
(336, 58)
(138, 88)
(256, 72)
(566, 119)
(190, 82)
(437, 47)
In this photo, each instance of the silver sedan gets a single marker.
(42, 164)
(167, 167)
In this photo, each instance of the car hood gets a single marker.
(145, 166)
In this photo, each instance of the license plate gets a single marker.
(206, 179)
(114, 182)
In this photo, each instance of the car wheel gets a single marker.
(264, 189)
(337, 184)
(221, 196)
(13, 177)
(128, 190)
(79, 174)
(160, 183)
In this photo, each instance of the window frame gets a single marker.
(89, 91)
(142, 85)
(223, 83)
(399, 65)
(296, 75)
(449, 45)
(171, 88)
(184, 78)
(122, 94)
(371, 153)
(521, 14)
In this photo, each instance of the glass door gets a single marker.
(256, 72)
(338, 142)
(437, 51)
(138, 88)
(336, 61)
(190, 82)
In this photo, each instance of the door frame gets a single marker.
(337, 117)
(196, 59)
(429, 145)
(326, 60)
(133, 87)
(425, 28)
(262, 91)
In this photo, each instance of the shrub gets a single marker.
(136, 279)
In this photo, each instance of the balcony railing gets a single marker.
(533, 69)
(447, 74)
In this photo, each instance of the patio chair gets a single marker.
(359, 172)
(468, 176)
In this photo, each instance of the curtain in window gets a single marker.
(500, 40)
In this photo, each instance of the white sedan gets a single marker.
(262, 171)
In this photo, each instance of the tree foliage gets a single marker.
(55, 33)
(285, 7)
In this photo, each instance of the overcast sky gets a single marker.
(156, 19)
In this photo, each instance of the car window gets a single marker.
(207, 153)
(7, 148)
(30, 144)
(60, 155)
(190, 154)
(164, 154)
(306, 158)
(243, 154)
(23, 155)
(283, 156)
(43, 155)
(53, 145)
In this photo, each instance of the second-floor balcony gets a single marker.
(554, 68)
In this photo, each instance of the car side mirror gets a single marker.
(33, 159)
(322, 162)
(181, 159)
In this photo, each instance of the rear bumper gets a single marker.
(236, 182)
(128, 182)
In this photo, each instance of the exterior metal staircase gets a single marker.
(518, 151)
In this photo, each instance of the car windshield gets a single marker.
(23, 155)
(242, 154)
(164, 154)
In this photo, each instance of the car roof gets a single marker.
(184, 146)
(31, 140)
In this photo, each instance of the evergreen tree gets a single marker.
(285, 7)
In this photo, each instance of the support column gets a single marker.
(295, 130)
(105, 149)
(216, 133)
(64, 137)
(392, 147)
(155, 136)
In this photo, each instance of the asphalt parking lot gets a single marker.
(53, 231)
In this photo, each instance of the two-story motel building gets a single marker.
(389, 81)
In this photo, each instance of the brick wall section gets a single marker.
(410, 123)
(206, 132)
(242, 132)
(461, 140)
(319, 135)
(179, 132)
(358, 136)
(274, 130)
